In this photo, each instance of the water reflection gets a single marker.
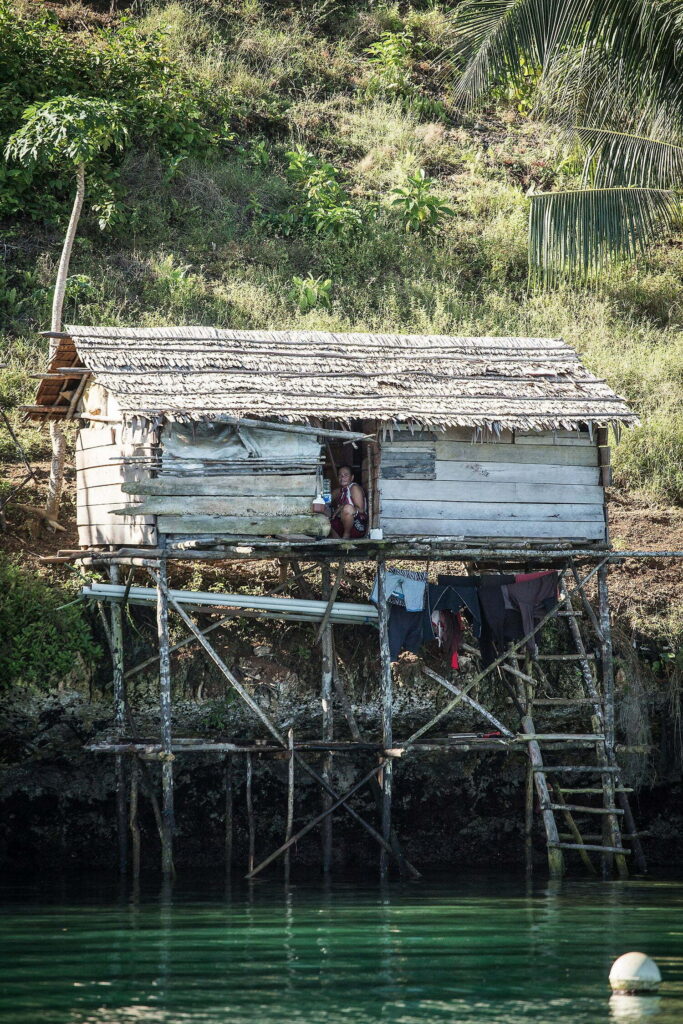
(466, 953)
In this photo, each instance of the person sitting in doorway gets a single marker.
(349, 507)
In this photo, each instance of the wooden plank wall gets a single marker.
(535, 486)
(100, 482)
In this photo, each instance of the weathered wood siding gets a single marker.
(542, 486)
(100, 479)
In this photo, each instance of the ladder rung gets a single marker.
(589, 837)
(588, 656)
(560, 737)
(590, 846)
(586, 790)
(580, 768)
(571, 615)
(562, 701)
(582, 809)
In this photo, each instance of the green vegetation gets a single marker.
(264, 147)
(45, 639)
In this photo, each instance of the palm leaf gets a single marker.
(576, 235)
(623, 158)
(495, 35)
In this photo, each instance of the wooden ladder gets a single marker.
(553, 781)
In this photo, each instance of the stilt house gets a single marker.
(191, 432)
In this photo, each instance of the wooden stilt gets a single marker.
(405, 867)
(555, 857)
(328, 716)
(133, 816)
(116, 635)
(529, 823)
(228, 814)
(312, 824)
(250, 811)
(167, 811)
(261, 715)
(387, 709)
(607, 660)
(290, 802)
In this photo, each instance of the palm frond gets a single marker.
(498, 36)
(577, 235)
(623, 158)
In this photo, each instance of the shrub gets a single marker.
(421, 210)
(309, 292)
(42, 636)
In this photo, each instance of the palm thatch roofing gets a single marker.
(193, 373)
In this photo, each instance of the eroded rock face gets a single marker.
(57, 801)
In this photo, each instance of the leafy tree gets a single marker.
(610, 71)
(72, 131)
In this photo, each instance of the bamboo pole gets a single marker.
(610, 826)
(116, 634)
(340, 801)
(405, 867)
(529, 822)
(387, 709)
(228, 838)
(218, 661)
(290, 802)
(167, 813)
(250, 811)
(491, 719)
(133, 817)
(327, 707)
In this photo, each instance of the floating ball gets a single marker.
(634, 972)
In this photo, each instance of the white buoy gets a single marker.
(634, 972)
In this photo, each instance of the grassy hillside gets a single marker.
(221, 229)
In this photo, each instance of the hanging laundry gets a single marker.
(533, 598)
(403, 587)
(501, 622)
(406, 632)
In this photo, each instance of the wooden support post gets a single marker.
(116, 634)
(250, 811)
(607, 660)
(328, 715)
(263, 717)
(133, 816)
(167, 811)
(555, 857)
(529, 823)
(386, 687)
(228, 814)
(290, 802)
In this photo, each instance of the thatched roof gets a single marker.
(436, 380)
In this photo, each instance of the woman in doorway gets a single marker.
(349, 509)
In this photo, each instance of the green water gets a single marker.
(466, 952)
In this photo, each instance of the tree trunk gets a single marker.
(56, 482)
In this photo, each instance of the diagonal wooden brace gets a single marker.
(316, 821)
(261, 715)
(494, 664)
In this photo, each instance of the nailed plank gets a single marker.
(92, 437)
(403, 435)
(107, 455)
(554, 437)
(412, 466)
(555, 455)
(449, 492)
(92, 535)
(517, 528)
(311, 525)
(238, 484)
(105, 494)
(103, 476)
(271, 506)
(103, 515)
(517, 472)
(438, 511)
